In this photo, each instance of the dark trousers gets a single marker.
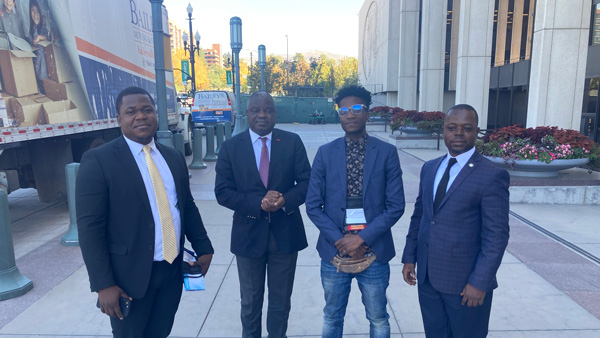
(445, 317)
(280, 269)
(152, 316)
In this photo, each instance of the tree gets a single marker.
(300, 71)
(274, 75)
(243, 77)
(254, 78)
(319, 72)
(216, 77)
(346, 72)
(200, 68)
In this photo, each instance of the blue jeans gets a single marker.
(372, 283)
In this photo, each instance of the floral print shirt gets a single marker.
(355, 165)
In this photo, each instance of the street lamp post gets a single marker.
(250, 78)
(191, 47)
(287, 61)
(230, 65)
(262, 62)
(235, 24)
(163, 135)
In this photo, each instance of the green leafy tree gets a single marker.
(274, 75)
(217, 77)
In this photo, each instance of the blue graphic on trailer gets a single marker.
(103, 84)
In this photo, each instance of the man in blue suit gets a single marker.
(458, 233)
(355, 196)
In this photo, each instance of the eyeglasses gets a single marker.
(355, 109)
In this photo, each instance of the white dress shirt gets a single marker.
(461, 161)
(257, 145)
(168, 181)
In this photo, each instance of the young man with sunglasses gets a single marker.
(355, 196)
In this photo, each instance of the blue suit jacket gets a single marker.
(465, 240)
(383, 196)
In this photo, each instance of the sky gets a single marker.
(324, 25)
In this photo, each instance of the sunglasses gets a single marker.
(355, 109)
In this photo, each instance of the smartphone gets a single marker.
(124, 304)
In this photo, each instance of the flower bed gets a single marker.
(543, 144)
(429, 121)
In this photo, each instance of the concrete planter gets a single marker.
(530, 168)
(414, 132)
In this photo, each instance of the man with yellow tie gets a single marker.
(134, 207)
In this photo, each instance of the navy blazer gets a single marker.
(465, 240)
(383, 196)
(239, 188)
(114, 218)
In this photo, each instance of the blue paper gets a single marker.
(193, 282)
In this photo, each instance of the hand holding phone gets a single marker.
(109, 303)
(124, 305)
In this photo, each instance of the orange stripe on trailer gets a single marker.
(105, 55)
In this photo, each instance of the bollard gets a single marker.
(197, 162)
(71, 237)
(179, 142)
(220, 127)
(227, 130)
(12, 282)
(210, 144)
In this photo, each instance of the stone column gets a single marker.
(433, 49)
(474, 55)
(517, 31)
(409, 49)
(499, 58)
(558, 61)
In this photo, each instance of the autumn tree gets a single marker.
(216, 77)
(299, 71)
(274, 75)
(325, 72)
(200, 68)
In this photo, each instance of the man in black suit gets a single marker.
(262, 175)
(134, 207)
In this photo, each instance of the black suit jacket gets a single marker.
(238, 187)
(114, 219)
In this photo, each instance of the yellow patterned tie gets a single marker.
(166, 220)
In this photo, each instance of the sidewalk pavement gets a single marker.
(547, 290)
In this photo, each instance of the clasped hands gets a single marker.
(471, 296)
(351, 245)
(272, 201)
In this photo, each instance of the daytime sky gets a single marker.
(324, 25)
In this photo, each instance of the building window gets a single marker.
(596, 25)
